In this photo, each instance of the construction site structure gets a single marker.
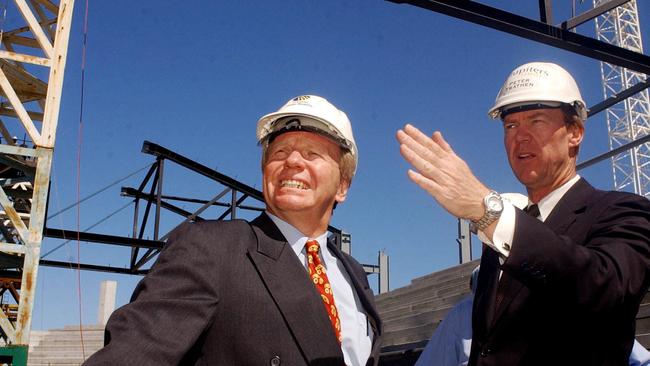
(629, 119)
(228, 200)
(32, 64)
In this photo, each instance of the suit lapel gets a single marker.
(294, 295)
(570, 205)
(365, 295)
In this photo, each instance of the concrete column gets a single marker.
(107, 292)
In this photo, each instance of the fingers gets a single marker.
(416, 150)
(441, 173)
(425, 153)
(425, 183)
(413, 146)
(438, 139)
(421, 164)
(416, 137)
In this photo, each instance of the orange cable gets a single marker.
(83, 71)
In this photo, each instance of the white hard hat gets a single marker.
(310, 113)
(536, 85)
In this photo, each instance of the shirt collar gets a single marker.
(547, 203)
(295, 238)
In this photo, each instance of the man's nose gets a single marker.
(522, 134)
(294, 159)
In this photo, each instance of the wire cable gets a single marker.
(88, 228)
(75, 204)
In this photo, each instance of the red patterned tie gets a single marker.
(319, 278)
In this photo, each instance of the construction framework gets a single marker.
(32, 64)
(628, 120)
(230, 200)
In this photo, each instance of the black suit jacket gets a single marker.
(573, 284)
(230, 293)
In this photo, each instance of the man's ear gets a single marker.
(576, 134)
(342, 192)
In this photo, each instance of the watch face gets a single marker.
(494, 204)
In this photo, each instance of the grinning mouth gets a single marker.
(293, 184)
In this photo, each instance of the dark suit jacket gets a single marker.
(573, 284)
(230, 293)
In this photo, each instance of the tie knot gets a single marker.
(532, 210)
(312, 246)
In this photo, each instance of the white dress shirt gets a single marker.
(356, 334)
(451, 342)
(505, 230)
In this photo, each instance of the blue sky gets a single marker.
(195, 76)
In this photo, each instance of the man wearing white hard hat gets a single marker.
(561, 281)
(273, 291)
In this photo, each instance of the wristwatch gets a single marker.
(493, 208)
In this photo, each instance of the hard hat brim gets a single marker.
(305, 123)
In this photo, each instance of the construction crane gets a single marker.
(628, 120)
(32, 65)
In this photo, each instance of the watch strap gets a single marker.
(488, 217)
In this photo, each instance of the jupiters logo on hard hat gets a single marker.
(301, 100)
(523, 77)
(538, 84)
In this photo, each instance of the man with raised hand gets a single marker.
(560, 282)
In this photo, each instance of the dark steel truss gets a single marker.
(538, 31)
(143, 251)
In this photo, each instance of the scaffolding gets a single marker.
(32, 64)
(629, 119)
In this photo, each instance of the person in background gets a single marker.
(273, 291)
(640, 355)
(561, 281)
(451, 341)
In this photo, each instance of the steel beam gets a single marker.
(233, 205)
(126, 191)
(102, 238)
(91, 267)
(591, 14)
(132, 192)
(545, 11)
(611, 153)
(159, 151)
(636, 88)
(518, 25)
(464, 241)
